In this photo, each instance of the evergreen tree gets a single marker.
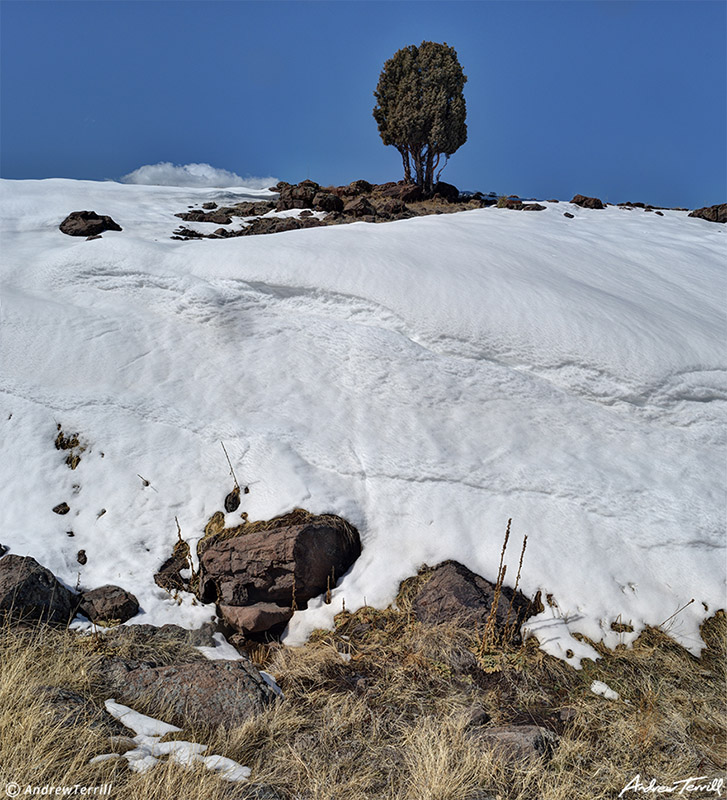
(420, 108)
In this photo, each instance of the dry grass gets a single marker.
(393, 721)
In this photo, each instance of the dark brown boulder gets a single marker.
(3, 550)
(29, 591)
(261, 562)
(587, 202)
(359, 207)
(253, 209)
(255, 618)
(406, 192)
(454, 593)
(63, 708)
(325, 201)
(513, 203)
(61, 508)
(533, 207)
(392, 208)
(446, 191)
(209, 206)
(569, 215)
(87, 223)
(711, 213)
(299, 196)
(208, 693)
(356, 188)
(219, 217)
(108, 603)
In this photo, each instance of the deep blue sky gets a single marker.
(622, 99)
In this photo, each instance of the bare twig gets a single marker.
(232, 471)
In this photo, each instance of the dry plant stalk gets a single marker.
(488, 637)
(508, 631)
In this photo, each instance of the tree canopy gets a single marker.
(420, 108)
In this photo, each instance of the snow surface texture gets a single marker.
(149, 748)
(427, 379)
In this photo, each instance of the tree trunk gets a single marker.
(407, 166)
(428, 176)
(419, 167)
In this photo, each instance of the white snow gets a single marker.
(427, 379)
(222, 650)
(604, 690)
(198, 175)
(149, 748)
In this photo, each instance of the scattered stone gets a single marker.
(108, 604)
(81, 557)
(300, 195)
(187, 233)
(587, 202)
(30, 591)
(305, 213)
(209, 693)
(256, 209)
(149, 643)
(255, 618)
(569, 215)
(91, 238)
(232, 501)
(518, 743)
(209, 206)
(356, 188)
(3, 550)
(659, 213)
(169, 575)
(533, 207)
(711, 213)
(262, 562)
(61, 508)
(455, 593)
(391, 207)
(325, 201)
(406, 192)
(87, 223)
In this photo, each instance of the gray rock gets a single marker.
(67, 709)
(146, 640)
(3, 550)
(711, 213)
(29, 591)
(108, 603)
(209, 693)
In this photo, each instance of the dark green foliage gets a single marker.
(420, 108)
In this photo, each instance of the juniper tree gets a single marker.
(420, 108)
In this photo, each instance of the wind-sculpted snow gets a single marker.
(426, 379)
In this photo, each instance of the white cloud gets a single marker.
(200, 175)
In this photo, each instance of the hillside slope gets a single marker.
(426, 379)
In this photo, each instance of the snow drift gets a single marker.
(426, 379)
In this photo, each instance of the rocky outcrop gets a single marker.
(29, 591)
(219, 217)
(108, 604)
(208, 693)
(446, 191)
(292, 558)
(587, 202)
(359, 207)
(711, 213)
(66, 709)
(87, 223)
(406, 192)
(454, 593)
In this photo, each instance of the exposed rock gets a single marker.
(711, 213)
(406, 192)
(587, 202)
(108, 603)
(356, 188)
(219, 217)
(204, 692)
(87, 223)
(455, 593)
(255, 618)
(3, 550)
(569, 215)
(518, 742)
(30, 591)
(659, 213)
(391, 207)
(81, 557)
(299, 196)
(169, 574)
(277, 225)
(66, 709)
(446, 191)
(209, 205)
(255, 209)
(149, 642)
(187, 233)
(359, 207)
(261, 562)
(325, 201)
(513, 203)
(61, 508)
(533, 207)
(232, 500)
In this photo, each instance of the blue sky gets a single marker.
(623, 99)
